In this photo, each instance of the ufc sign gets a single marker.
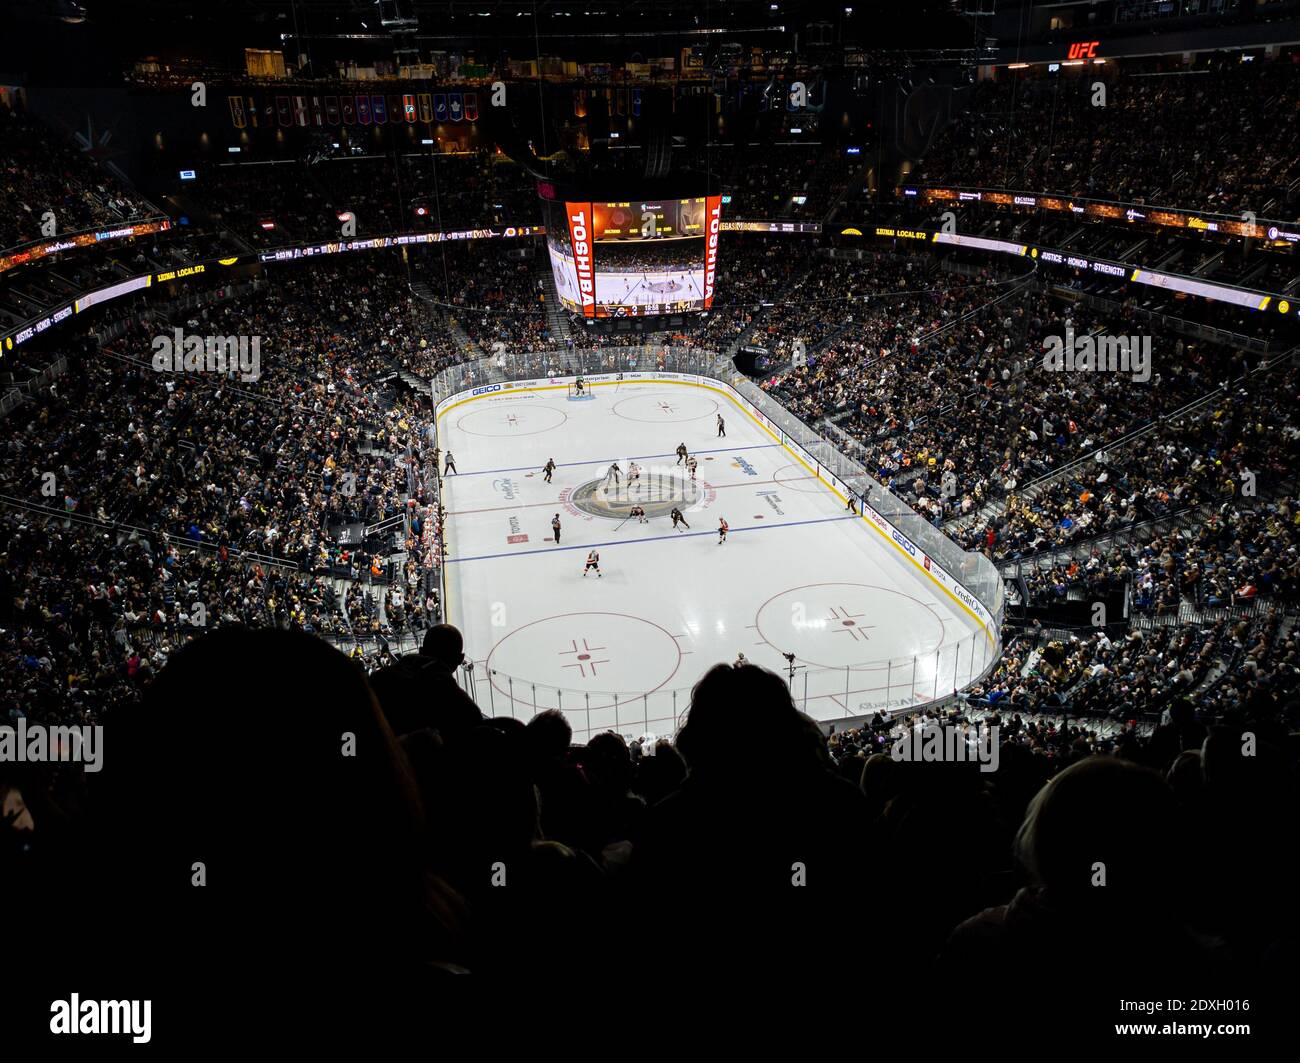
(1083, 50)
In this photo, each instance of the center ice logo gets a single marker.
(744, 466)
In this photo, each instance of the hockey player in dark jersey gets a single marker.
(678, 518)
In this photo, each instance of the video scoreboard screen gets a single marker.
(635, 258)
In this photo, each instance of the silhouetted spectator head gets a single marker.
(608, 762)
(1102, 832)
(445, 644)
(549, 735)
(267, 809)
(731, 703)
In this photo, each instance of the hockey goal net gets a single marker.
(579, 391)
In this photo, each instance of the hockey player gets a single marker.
(639, 513)
(692, 464)
(578, 385)
(722, 530)
(555, 527)
(451, 464)
(678, 518)
(593, 561)
(614, 473)
(548, 469)
(681, 453)
(633, 472)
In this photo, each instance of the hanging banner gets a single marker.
(283, 111)
(237, 116)
(636, 103)
(380, 109)
(363, 110)
(408, 107)
(471, 106)
(426, 107)
(332, 110)
(300, 110)
(579, 215)
(439, 106)
(317, 114)
(455, 106)
(713, 216)
(349, 110)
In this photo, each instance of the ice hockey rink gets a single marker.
(867, 626)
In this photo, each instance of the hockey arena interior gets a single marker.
(636, 489)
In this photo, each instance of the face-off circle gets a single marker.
(657, 490)
(796, 478)
(588, 655)
(512, 419)
(666, 407)
(831, 625)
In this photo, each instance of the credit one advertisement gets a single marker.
(635, 258)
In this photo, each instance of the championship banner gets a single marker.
(283, 111)
(237, 116)
(439, 106)
(349, 110)
(713, 212)
(454, 105)
(408, 107)
(317, 115)
(426, 107)
(363, 110)
(380, 108)
(579, 215)
(471, 106)
(300, 110)
(332, 110)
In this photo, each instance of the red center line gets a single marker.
(556, 501)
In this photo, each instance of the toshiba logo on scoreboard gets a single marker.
(580, 238)
(711, 248)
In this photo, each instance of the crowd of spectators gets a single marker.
(444, 802)
(192, 501)
(1246, 441)
(922, 405)
(42, 172)
(494, 297)
(378, 194)
(1211, 137)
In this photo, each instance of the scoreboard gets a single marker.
(663, 219)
